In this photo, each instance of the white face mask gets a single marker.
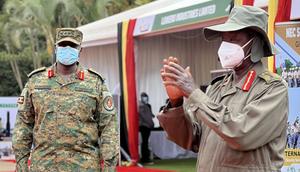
(231, 55)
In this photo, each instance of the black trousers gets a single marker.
(145, 132)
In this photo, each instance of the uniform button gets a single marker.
(191, 105)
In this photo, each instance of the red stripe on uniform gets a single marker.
(50, 73)
(81, 75)
(248, 2)
(249, 80)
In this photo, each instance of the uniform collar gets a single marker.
(75, 76)
(258, 68)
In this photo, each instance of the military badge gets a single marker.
(20, 100)
(108, 103)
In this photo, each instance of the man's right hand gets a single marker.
(174, 93)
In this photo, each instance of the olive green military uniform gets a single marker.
(233, 130)
(70, 124)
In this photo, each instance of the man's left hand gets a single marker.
(182, 78)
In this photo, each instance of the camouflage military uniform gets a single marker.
(70, 124)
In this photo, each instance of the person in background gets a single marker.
(297, 76)
(291, 77)
(284, 74)
(146, 124)
(2, 130)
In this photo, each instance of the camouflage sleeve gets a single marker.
(22, 134)
(108, 128)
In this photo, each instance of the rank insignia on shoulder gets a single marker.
(36, 71)
(20, 100)
(249, 80)
(81, 75)
(50, 73)
(108, 103)
(96, 73)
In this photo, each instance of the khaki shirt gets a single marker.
(233, 130)
(70, 124)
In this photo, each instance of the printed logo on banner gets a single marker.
(287, 41)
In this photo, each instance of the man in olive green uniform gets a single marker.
(66, 119)
(239, 124)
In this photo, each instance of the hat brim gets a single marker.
(68, 40)
(214, 32)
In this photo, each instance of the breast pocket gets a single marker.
(236, 108)
(41, 98)
(236, 103)
(84, 105)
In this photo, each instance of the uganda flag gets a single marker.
(129, 125)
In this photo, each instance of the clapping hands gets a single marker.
(178, 81)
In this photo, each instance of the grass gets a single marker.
(178, 165)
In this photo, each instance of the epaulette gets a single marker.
(96, 73)
(270, 76)
(218, 78)
(36, 71)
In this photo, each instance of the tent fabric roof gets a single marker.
(104, 31)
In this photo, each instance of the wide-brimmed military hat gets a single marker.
(68, 34)
(245, 17)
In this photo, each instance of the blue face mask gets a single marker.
(145, 100)
(67, 55)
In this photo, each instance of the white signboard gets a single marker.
(143, 25)
(8, 104)
(295, 12)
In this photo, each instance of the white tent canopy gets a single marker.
(104, 31)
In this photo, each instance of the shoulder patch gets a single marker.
(96, 73)
(270, 76)
(108, 103)
(36, 71)
(219, 78)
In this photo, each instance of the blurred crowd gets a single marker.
(293, 134)
(291, 76)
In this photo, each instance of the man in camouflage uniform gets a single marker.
(66, 118)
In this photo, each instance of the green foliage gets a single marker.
(142, 2)
(9, 86)
(117, 6)
(288, 63)
(27, 31)
(279, 71)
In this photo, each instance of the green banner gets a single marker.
(192, 14)
(8, 105)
